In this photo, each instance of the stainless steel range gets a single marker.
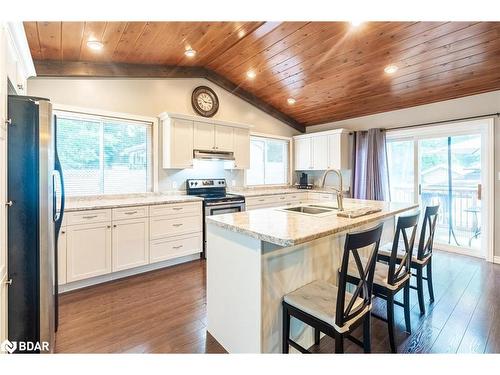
(216, 201)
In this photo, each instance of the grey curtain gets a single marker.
(370, 172)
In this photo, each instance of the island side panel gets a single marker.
(285, 269)
(289, 268)
(234, 290)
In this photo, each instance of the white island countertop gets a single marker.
(283, 228)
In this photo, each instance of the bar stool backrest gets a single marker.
(347, 310)
(426, 240)
(399, 267)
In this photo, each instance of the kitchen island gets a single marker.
(256, 257)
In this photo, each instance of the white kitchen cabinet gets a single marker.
(169, 225)
(61, 257)
(17, 65)
(182, 134)
(241, 142)
(212, 137)
(204, 136)
(322, 150)
(88, 251)
(319, 152)
(303, 155)
(177, 143)
(224, 138)
(338, 151)
(130, 243)
(174, 247)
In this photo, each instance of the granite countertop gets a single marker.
(289, 228)
(129, 200)
(257, 192)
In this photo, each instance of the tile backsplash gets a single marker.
(175, 179)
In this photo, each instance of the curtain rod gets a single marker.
(440, 122)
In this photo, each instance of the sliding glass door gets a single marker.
(450, 175)
(449, 166)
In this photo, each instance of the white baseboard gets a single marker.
(496, 259)
(121, 274)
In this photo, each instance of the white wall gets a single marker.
(474, 105)
(150, 97)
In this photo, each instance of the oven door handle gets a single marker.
(232, 203)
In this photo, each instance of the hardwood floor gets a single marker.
(164, 311)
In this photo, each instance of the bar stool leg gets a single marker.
(316, 336)
(420, 290)
(429, 280)
(390, 320)
(406, 302)
(367, 345)
(339, 343)
(286, 330)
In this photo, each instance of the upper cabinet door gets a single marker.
(223, 138)
(320, 152)
(241, 148)
(303, 157)
(180, 140)
(338, 151)
(204, 136)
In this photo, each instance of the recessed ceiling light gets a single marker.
(356, 23)
(291, 101)
(251, 74)
(95, 45)
(190, 52)
(391, 69)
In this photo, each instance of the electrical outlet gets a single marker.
(174, 185)
(233, 183)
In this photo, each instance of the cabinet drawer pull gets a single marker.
(63, 232)
(177, 208)
(282, 197)
(176, 247)
(130, 212)
(261, 200)
(90, 217)
(177, 225)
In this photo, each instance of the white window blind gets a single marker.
(268, 161)
(104, 155)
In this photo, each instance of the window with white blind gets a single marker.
(268, 161)
(104, 155)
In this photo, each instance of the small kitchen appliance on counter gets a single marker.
(303, 182)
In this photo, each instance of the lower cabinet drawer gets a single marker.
(261, 200)
(166, 226)
(173, 247)
(130, 212)
(88, 217)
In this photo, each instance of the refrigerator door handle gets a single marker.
(58, 213)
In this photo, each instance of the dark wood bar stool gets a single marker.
(331, 309)
(394, 276)
(423, 257)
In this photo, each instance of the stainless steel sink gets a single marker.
(321, 206)
(308, 210)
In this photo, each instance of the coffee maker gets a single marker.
(303, 182)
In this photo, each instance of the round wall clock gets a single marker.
(205, 102)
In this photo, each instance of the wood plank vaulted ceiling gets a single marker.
(333, 70)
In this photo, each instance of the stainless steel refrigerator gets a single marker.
(35, 214)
